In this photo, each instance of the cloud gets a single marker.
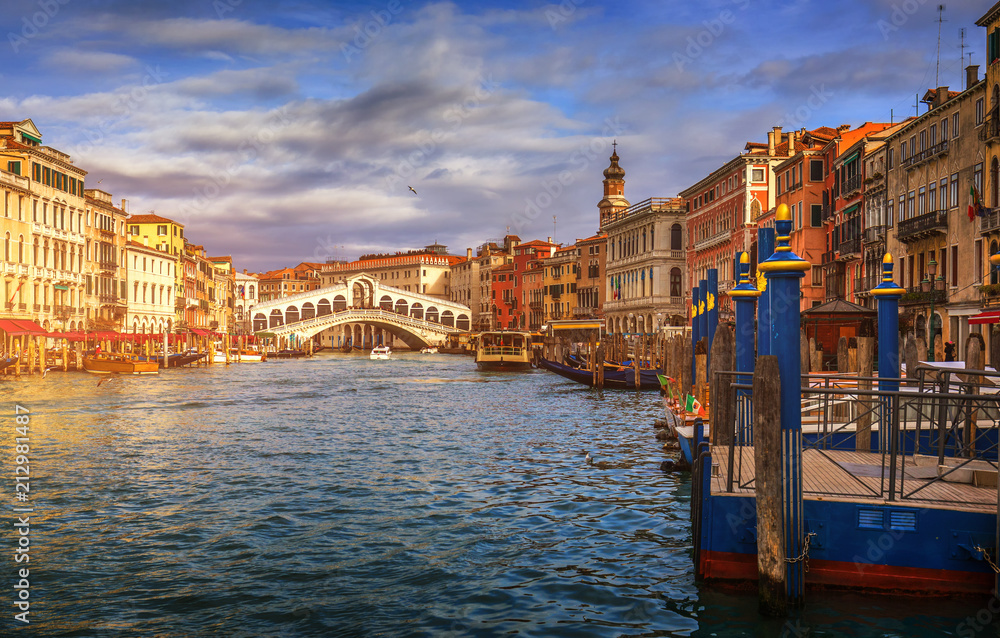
(66, 61)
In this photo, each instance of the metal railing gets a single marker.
(913, 444)
(874, 234)
(922, 225)
(852, 184)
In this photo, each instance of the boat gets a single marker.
(380, 352)
(429, 350)
(236, 356)
(9, 361)
(174, 359)
(113, 363)
(503, 351)
(621, 379)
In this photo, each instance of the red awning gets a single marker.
(993, 316)
(200, 332)
(17, 327)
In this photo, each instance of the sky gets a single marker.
(291, 130)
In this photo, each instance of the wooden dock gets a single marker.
(858, 477)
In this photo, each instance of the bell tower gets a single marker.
(614, 190)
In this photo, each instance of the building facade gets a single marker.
(151, 276)
(105, 270)
(591, 271)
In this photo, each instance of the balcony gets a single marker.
(923, 226)
(990, 221)
(874, 235)
(916, 159)
(990, 130)
(828, 213)
(108, 265)
(851, 185)
(989, 296)
(849, 249)
(916, 296)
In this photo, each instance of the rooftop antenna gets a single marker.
(553, 228)
(961, 36)
(937, 68)
(916, 103)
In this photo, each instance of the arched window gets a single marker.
(675, 237)
(20, 249)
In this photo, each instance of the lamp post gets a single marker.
(931, 271)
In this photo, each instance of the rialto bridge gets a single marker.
(362, 312)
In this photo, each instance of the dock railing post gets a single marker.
(767, 465)
(712, 310)
(783, 270)
(765, 248)
(703, 316)
(887, 296)
(695, 329)
(744, 294)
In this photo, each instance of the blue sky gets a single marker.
(289, 131)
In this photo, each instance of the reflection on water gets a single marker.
(340, 496)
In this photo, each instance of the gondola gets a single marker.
(613, 379)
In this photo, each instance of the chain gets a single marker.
(804, 556)
(986, 555)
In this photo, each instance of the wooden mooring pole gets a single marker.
(767, 462)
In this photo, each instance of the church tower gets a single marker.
(614, 190)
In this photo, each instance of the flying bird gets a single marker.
(45, 372)
(412, 189)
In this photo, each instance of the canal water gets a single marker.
(338, 496)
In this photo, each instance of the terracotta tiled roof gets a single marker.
(504, 268)
(151, 219)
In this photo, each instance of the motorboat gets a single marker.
(114, 363)
(503, 350)
(380, 352)
(429, 350)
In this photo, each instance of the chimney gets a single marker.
(791, 143)
(940, 97)
(776, 132)
(550, 240)
(468, 254)
(971, 75)
(124, 202)
(770, 142)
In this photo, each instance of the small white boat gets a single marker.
(430, 350)
(380, 352)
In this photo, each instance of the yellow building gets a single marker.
(560, 276)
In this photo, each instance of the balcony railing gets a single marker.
(852, 184)
(990, 129)
(989, 296)
(850, 247)
(828, 212)
(874, 234)
(914, 160)
(990, 221)
(923, 226)
(916, 295)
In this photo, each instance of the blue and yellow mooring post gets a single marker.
(765, 248)
(712, 308)
(695, 331)
(887, 296)
(744, 294)
(783, 271)
(703, 309)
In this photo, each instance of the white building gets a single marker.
(150, 287)
(244, 298)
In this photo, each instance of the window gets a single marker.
(954, 125)
(817, 276)
(891, 158)
(954, 265)
(779, 184)
(902, 151)
(944, 129)
(161, 230)
(922, 201)
(977, 177)
(923, 140)
(816, 216)
(980, 111)
(133, 230)
(953, 197)
(910, 205)
(943, 202)
(932, 197)
(933, 134)
(889, 211)
(816, 170)
(757, 174)
(14, 167)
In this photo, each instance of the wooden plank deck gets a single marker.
(845, 475)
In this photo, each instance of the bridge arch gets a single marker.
(339, 303)
(448, 318)
(259, 322)
(432, 314)
(274, 319)
(463, 323)
(323, 307)
(291, 314)
(385, 303)
(417, 310)
(308, 310)
(402, 308)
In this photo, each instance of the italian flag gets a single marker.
(693, 406)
